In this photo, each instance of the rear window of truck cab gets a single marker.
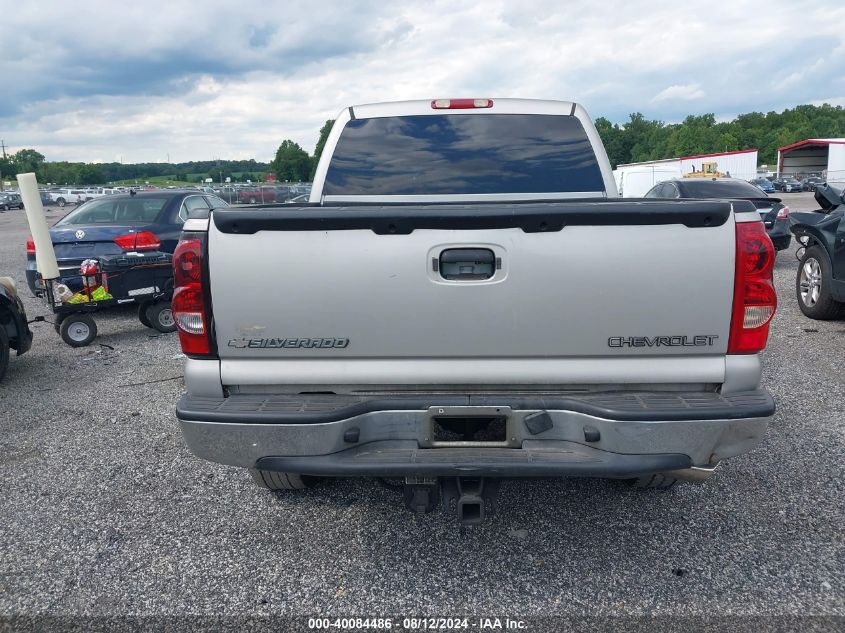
(463, 154)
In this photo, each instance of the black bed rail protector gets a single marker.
(622, 406)
(530, 216)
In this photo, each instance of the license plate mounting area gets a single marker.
(468, 427)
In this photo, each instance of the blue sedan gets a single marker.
(763, 184)
(118, 223)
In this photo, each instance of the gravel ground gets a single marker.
(105, 512)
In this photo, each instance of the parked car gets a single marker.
(811, 182)
(820, 279)
(578, 335)
(228, 193)
(116, 223)
(46, 200)
(10, 200)
(773, 213)
(786, 184)
(255, 195)
(285, 193)
(14, 331)
(763, 184)
(64, 197)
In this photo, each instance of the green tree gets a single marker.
(218, 174)
(643, 139)
(611, 136)
(90, 174)
(292, 163)
(321, 143)
(6, 171)
(27, 160)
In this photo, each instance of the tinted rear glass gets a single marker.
(720, 189)
(463, 154)
(116, 211)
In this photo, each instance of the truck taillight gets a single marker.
(30, 246)
(461, 104)
(141, 241)
(190, 306)
(783, 213)
(755, 299)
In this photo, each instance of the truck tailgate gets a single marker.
(574, 288)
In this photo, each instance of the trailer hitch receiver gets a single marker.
(473, 498)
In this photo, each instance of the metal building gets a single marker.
(635, 179)
(823, 157)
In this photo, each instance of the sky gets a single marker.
(179, 81)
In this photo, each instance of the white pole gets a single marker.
(45, 256)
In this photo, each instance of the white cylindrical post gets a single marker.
(45, 256)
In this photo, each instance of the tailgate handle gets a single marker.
(468, 263)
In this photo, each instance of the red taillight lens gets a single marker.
(30, 246)
(461, 104)
(783, 213)
(141, 241)
(189, 301)
(755, 299)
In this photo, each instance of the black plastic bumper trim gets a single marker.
(620, 406)
(380, 459)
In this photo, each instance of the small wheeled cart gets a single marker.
(145, 278)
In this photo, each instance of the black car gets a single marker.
(786, 184)
(811, 182)
(14, 331)
(117, 223)
(773, 212)
(820, 280)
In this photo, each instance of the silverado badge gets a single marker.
(289, 343)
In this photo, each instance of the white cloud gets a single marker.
(686, 92)
(232, 81)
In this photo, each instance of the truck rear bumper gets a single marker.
(602, 435)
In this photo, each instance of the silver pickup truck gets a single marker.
(465, 298)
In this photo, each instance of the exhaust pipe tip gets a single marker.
(695, 474)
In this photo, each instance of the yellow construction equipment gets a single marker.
(709, 169)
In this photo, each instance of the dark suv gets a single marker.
(10, 201)
(820, 280)
(811, 182)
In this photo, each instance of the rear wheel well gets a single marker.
(7, 322)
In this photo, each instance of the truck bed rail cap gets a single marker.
(531, 217)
